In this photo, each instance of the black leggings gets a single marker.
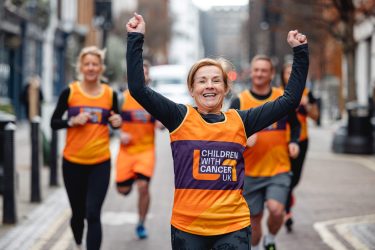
(239, 239)
(297, 165)
(86, 186)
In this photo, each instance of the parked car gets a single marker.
(170, 81)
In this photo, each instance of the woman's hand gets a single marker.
(125, 138)
(136, 24)
(80, 119)
(115, 120)
(304, 101)
(295, 38)
(293, 150)
(251, 140)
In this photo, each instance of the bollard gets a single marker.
(9, 200)
(53, 160)
(5, 118)
(9, 204)
(35, 160)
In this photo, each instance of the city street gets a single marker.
(65, 64)
(334, 207)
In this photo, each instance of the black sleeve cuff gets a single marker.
(301, 48)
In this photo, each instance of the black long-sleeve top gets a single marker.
(172, 114)
(57, 122)
(295, 125)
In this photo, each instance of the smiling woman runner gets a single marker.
(91, 107)
(209, 211)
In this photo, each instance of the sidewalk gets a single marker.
(334, 209)
(335, 198)
(37, 223)
(23, 178)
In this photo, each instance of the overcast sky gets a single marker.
(206, 4)
(118, 5)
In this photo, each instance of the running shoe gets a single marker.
(289, 225)
(289, 222)
(141, 232)
(270, 246)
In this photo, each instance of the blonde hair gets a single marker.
(90, 50)
(223, 64)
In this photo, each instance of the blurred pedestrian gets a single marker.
(32, 97)
(209, 211)
(308, 108)
(267, 165)
(91, 106)
(136, 157)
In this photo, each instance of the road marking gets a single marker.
(25, 234)
(64, 241)
(363, 161)
(51, 230)
(329, 238)
(108, 218)
(344, 230)
(120, 218)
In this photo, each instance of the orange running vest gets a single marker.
(209, 175)
(139, 123)
(302, 118)
(89, 144)
(269, 156)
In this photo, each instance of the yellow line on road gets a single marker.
(65, 240)
(51, 230)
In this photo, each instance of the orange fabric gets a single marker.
(139, 124)
(209, 212)
(207, 203)
(302, 118)
(303, 121)
(209, 131)
(89, 144)
(269, 156)
(138, 156)
(130, 164)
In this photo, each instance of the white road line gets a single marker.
(344, 230)
(51, 230)
(328, 237)
(121, 218)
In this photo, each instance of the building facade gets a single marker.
(223, 34)
(185, 45)
(21, 49)
(364, 34)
